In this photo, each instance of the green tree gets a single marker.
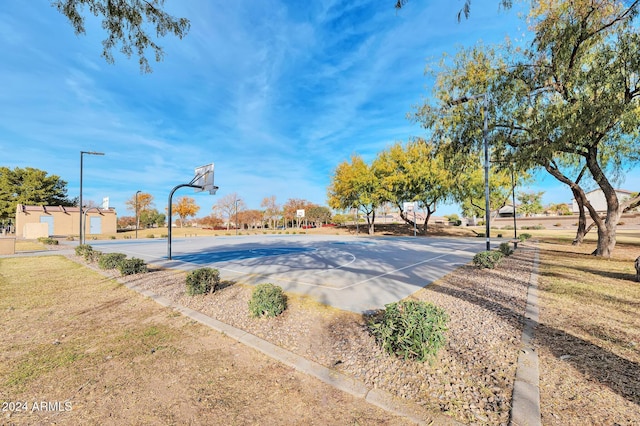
(128, 23)
(30, 186)
(414, 172)
(151, 217)
(530, 203)
(318, 214)
(354, 185)
(569, 100)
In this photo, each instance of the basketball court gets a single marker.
(351, 273)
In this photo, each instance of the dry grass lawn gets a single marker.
(78, 348)
(589, 336)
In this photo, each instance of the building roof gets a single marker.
(21, 208)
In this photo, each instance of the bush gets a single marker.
(111, 260)
(203, 280)
(487, 259)
(70, 238)
(505, 249)
(267, 300)
(132, 266)
(524, 236)
(150, 236)
(83, 250)
(411, 329)
(48, 241)
(112, 237)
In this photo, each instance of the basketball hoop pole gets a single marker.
(189, 185)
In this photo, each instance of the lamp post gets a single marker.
(80, 201)
(137, 219)
(236, 217)
(485, 131)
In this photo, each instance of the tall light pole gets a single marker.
(80, 203)
(137, 220)
(485, 131)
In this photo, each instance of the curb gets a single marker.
(377, 397)
(525, 408)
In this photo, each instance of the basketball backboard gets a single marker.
(204, 179)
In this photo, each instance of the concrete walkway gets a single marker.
(525, 406)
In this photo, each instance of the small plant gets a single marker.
(164, 235)
(83, 249)
(70, 238)
(132, 266)
(558, 224)
(127, 237)
(524, 236)
(150, 236)
(267, 300)
(505, 249)
(499, 236)
(411, 329)
(203, 280)
(111, 260)
(48, 241)
(487, 259)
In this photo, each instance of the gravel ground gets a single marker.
(472, 377)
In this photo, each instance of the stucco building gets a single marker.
(46, 221)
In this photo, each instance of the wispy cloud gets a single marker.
(275, 92)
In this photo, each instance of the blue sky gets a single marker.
(275, 93)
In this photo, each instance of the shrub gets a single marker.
(499, 236)
(505, 249)
(507, 227)
(132, 266)
(164, 235)
(411, 329)
(150, 236)
(112, 237)
(524, 236)
(267, 300)
(83, 249)
(487, 259)
(70, 238)
(480, 234)
(203, 280)
(111, 260)
(48, 241)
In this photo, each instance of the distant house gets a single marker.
(44, 221)
(506, 210)
(598, 200)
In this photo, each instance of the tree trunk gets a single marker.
(606, 230)
(426, 220)
(370, 222)
(582, 218)
(581, 198)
